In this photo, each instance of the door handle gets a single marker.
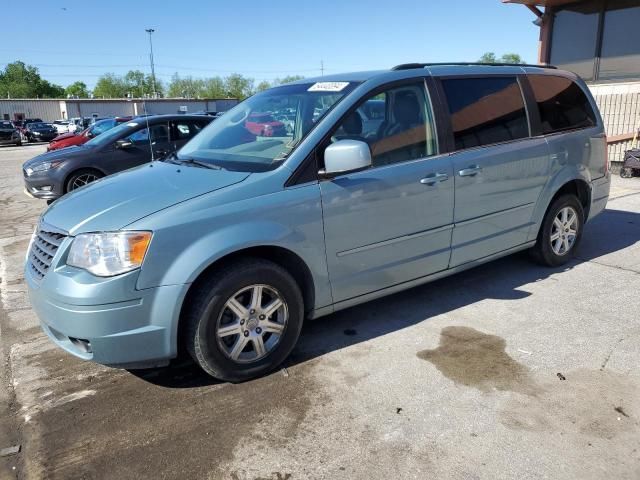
(471, 171)
(434, 178)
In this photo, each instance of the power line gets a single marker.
(177, 67)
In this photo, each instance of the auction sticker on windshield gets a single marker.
(327, 87)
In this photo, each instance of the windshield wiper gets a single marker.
(170, 158)
(198, 163)
(173, 158)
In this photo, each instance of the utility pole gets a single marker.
(321, 68)
(153, 72)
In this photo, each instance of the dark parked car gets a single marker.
(9, 134)
(40, 132)
(52, 174)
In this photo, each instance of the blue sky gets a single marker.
(71, 41)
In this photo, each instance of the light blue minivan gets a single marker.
(381, 181)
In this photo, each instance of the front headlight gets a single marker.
(108, 254)
(42, 167)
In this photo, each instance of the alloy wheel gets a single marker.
(564, 231)
(82, 180)
(251, 323)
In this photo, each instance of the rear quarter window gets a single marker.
(562, 104)
(485, 110)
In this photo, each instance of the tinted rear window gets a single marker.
(485, 110)
(562, 104)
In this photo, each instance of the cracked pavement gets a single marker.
(509, 370)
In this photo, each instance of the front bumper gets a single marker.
(11, 140)
(107, 320)
(44, 185)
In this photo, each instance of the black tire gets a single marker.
(542, 252)
(626, 172)
(207, 304)
(75, 177)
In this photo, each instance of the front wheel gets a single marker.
(560, 233)
(82, 178)
(244, 320)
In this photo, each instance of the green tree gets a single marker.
(185, 87)
(110, 85)
(511, 58)
(50, 90)
(262, 86)
(214, 87)
(19, 80)
(288, 79)
(238, 86)
(134, 83)
(138, 84)
(490, 57)
(77, 89)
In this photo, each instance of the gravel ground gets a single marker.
(509, 370)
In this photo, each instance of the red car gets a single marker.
(264, 125)
(71, 139)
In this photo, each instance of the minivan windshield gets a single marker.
(260, 133)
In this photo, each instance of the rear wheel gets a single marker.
(244, 320)
(560, 233)
(82, 178)
(626, 172)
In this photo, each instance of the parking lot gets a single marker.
(510, 370)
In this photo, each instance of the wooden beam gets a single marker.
(620, 138)
(536, 11)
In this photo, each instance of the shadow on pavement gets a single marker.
(611, 231)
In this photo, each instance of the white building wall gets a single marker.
(619, 105)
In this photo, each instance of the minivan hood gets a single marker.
(118, 200)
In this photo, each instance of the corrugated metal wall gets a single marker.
(50, 110)
(100, 109)
(172, 106)
(619, 106)
(47, 110)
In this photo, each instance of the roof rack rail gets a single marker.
(409, 66)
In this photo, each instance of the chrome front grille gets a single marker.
(43, 248)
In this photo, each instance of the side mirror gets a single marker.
(345, 156)
(124, 143)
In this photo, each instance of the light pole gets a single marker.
(153, 72)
